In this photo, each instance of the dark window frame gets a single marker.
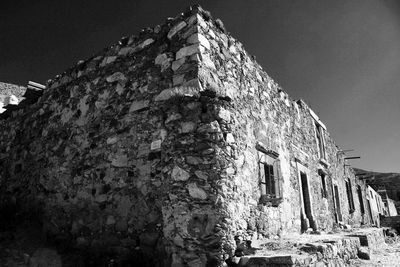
(270, 177)
(350, 196)
(324, 192)
(319, 132)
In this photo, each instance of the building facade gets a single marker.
(173, 145)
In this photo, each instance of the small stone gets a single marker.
(207, 62)
(177, 64)
(143, 45)
(178, 240)
(139, 105)
(201, 175)
(176, 29)
(143, 89)
(120, 160)
(178, 79)
(193, 160)
(110, 220)
(173, 117)
(188, 51)
(112, 140)
(119, 89)
(163, 61)
(198, 38)
(125, 51)
(224, 115)
(229, 138)
(155, 145)
(107, 60)
(177, 91)
(117, 76)
(196, 192)
(187, 127)
(178, 174)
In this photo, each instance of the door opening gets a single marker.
(337, 202)
(307, 220)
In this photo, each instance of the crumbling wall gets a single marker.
(259, 113)
(117, 152)
(149, 149)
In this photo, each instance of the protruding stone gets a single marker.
(229, 138)
(196, 192)
(117, 76)
(126, 51)
(199, 38)
(155, 145)
(179, 174)
(163, 61)
(120, 160)
(108, 60)
(224, 115)
(139, 105)
(177, 91)
(177, 64)
(143, 45)
(176, 29)
(188, 51)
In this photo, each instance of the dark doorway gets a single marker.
(308, 220)
(371, 217)
(360, 199)
(337, 202)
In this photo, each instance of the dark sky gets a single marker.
(341, 56)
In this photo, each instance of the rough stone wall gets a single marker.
(105, 154)
(150, 147)
(260, 112)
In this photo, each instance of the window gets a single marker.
(350, 196)
(320, 140)
(269, 175)
(269, 179)
(323, 184)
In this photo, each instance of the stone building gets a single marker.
(387, 183)
(174, 145)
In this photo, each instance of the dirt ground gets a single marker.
(22, 245)
(388, 255)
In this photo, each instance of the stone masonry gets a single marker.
(157, 146)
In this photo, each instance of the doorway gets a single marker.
(337, 202)
(307, 217)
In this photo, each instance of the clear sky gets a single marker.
(341, 56)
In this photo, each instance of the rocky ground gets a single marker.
(387, 255)
(24, 245)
